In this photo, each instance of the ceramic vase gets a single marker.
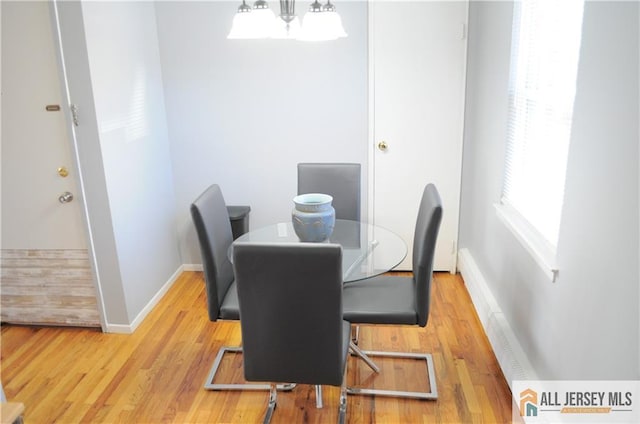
(313, 217)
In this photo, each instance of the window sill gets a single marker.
(542, 252)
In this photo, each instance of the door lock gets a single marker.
(382, 145)
(65, 197)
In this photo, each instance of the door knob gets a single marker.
(63, 171)
(65, 197)
(382, 145)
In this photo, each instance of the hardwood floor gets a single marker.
(71, 375)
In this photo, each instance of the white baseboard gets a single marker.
(192, 267)
(512, 359)
(118, 329)
(129, 329)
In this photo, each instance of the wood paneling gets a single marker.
(48, 287)
(156, 375)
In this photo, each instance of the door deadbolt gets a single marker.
(382, 145)
(65, 197)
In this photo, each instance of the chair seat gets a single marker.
(380, 300)
(230, 308)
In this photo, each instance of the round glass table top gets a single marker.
(367, 250)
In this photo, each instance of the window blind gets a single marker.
(544, 61)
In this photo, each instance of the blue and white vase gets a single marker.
(313, 216)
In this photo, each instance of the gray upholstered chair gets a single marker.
(290, 299)
(401, 300)
(340, 180)
(211, 219)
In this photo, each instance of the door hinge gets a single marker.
(74, 114)
(463, 31)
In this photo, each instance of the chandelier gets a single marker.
(320, 23)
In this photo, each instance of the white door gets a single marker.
(417, 68)
(47, 277)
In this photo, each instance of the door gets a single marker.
(417, 72)
(46, 272)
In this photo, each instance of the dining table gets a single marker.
(367, 249)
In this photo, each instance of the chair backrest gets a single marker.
(211, 219)
(424, 246)
(340, 180)
(290, 299)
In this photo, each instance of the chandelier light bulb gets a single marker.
(320, 23)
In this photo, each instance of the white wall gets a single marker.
(238, 113)
(112, 61)
(586, 325)
(243, 113)
(127, 84)
(71, 36)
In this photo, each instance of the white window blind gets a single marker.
(544, 60)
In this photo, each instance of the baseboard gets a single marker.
(119, 329)
(192, 267)
(512, 359)
(129, 329)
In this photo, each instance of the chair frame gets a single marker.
(430, 194)
(431, 376)
(210, 385)
(342, 406)
(273, 387)
(213, 194)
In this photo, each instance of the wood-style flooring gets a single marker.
(156, 375)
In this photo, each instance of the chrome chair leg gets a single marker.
(273, 395)
(342, 406)
(210, 385)
(431, 375)
(362, 355)
(355, 333)
(318, 396)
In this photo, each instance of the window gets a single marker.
(544, 60)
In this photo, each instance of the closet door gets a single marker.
(417, 84)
